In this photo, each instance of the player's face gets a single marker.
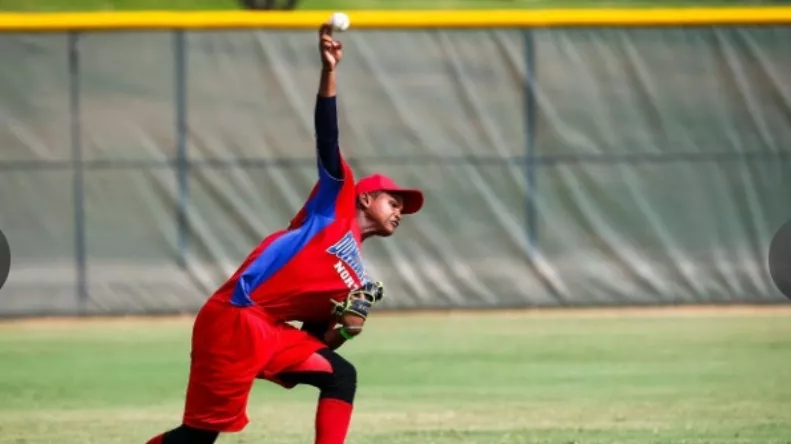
(385, 211)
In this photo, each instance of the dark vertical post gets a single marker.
(78, 191)
(181, 142)
(531, 217)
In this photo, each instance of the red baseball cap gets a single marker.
(413, 198)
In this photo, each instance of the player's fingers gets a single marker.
(325, 40)
(331, 46)
(325, 30)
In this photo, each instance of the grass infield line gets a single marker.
(593, 312)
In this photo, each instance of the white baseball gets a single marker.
(340, 21)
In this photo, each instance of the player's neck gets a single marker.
(367, 227)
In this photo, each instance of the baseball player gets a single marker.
(312, 272)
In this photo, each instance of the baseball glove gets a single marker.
(360, 301)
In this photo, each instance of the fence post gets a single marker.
(531, 218)
(181, 141)
(78, 192)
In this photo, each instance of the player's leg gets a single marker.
(185, 435)
(228, 349)
(336, 379)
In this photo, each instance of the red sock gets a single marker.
(156, 440)
(332, 421)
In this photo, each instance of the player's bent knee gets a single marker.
(189, 435)
(344, 379)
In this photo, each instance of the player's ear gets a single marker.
(364, 200)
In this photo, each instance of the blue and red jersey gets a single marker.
(296, 273)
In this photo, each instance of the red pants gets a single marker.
(231, 347)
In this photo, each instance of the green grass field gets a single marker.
(92, 5)
(495, 378)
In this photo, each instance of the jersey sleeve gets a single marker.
(275, 256)
(334, 174)
(325, 121)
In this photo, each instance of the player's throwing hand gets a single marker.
(331, 50)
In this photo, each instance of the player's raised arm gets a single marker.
(326, 114)
(322, 199)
